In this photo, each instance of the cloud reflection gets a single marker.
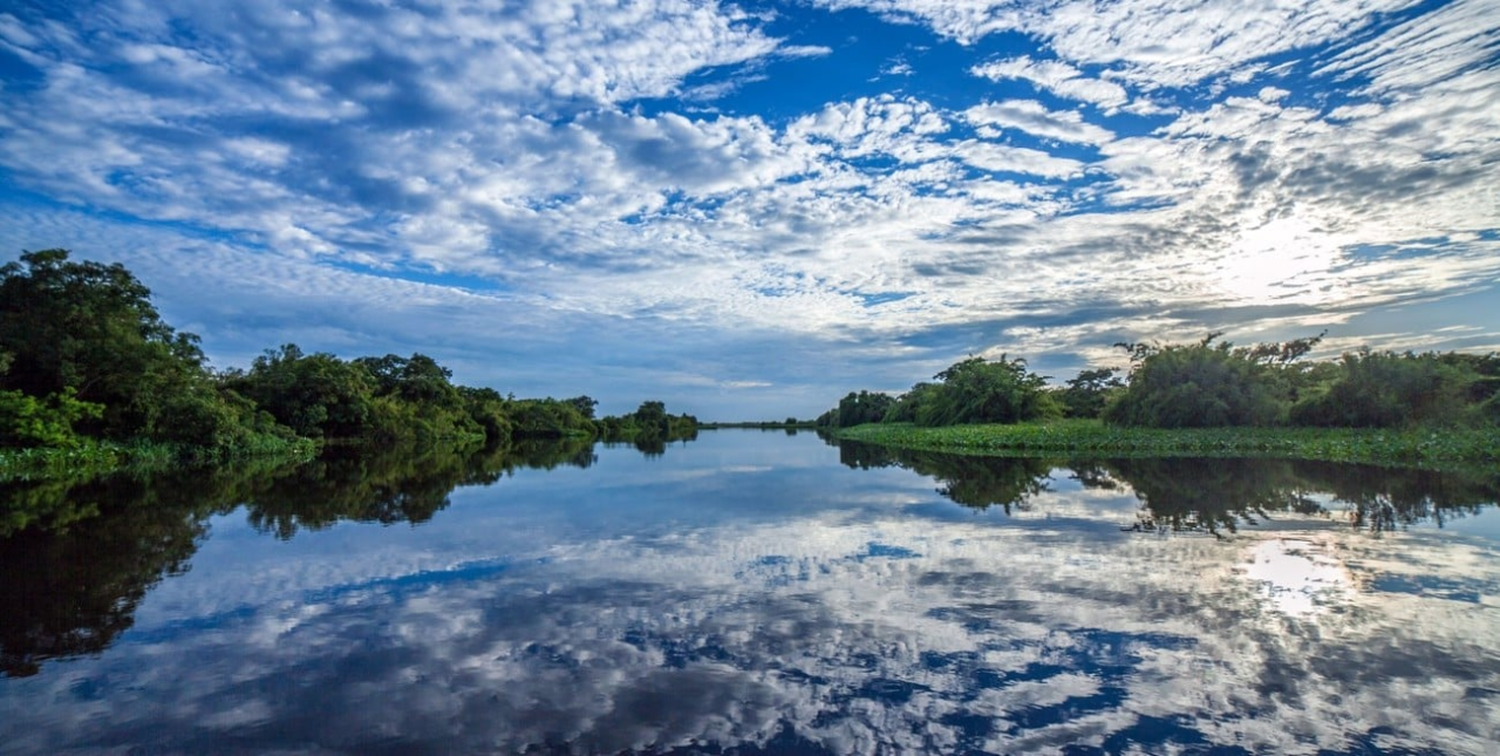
(842, 625)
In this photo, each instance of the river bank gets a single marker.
(1420, 447)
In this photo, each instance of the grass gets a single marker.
(1420, 447)
(100, 458)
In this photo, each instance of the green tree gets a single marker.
(88, 353)
(906, 407)
(860, 408)
(651, 419)
(1389, 390)
(1205, 384)
(317, 395)
(1086, 395)
(91, 328)
(28, 421)
(584, 404)
(977, 390)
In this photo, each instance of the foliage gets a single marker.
(857, 409)
(1086, 395)
(87, 354)
(974, 390)
(909, 404)
(1389, 390)
(316, 395)
(547, 418)
(1206, 385)
(977, 390)
(28, 421)
(650, 427)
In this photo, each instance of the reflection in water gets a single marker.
(72, 579)
(395, 486)
(1214, 495)
(745, 596)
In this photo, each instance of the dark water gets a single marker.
(755, 593)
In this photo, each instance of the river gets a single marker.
(757, 592)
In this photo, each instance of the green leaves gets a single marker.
(977, 390)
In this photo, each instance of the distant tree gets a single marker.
(651, 418)
(317, 395)
(906, 406)
(862, 407)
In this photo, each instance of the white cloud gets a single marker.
(1057, 77)
(548, 150)
(1034, 118)
(1151, 43)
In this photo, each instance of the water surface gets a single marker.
(755, 592)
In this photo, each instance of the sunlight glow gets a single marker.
(1295, 579)
(1285, 260)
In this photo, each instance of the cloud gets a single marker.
(674, 172)
(1034, 118)
(1059, 78)
(1150, 43)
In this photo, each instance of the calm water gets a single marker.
(755, 592)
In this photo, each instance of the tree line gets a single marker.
(1208, 383)
(85, 358)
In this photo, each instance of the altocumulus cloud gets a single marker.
(521, 188)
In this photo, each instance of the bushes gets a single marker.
(1389, 390)
(1208, 384)
(974, 390)
(977, 390)
(858, 409)
(1203, 385)
(28, 421)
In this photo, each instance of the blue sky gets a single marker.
(748, 209)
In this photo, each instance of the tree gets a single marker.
(91, 328)
(1388, 390)
(977, 390)
(1085, 395)
(651, 418)
(910, 403)
(584, 404)
(27, 421)
(84, 341)
(317, 395)
(1206, 384)
(863, 407)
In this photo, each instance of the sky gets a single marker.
(749, 209)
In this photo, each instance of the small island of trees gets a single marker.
(1264, 397)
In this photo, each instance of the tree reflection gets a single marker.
(978, 482)
(1218, 495)
(78, 556)
(1211, 495)
(72, 585)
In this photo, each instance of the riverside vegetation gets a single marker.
(93, 380)
(1207, 398)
